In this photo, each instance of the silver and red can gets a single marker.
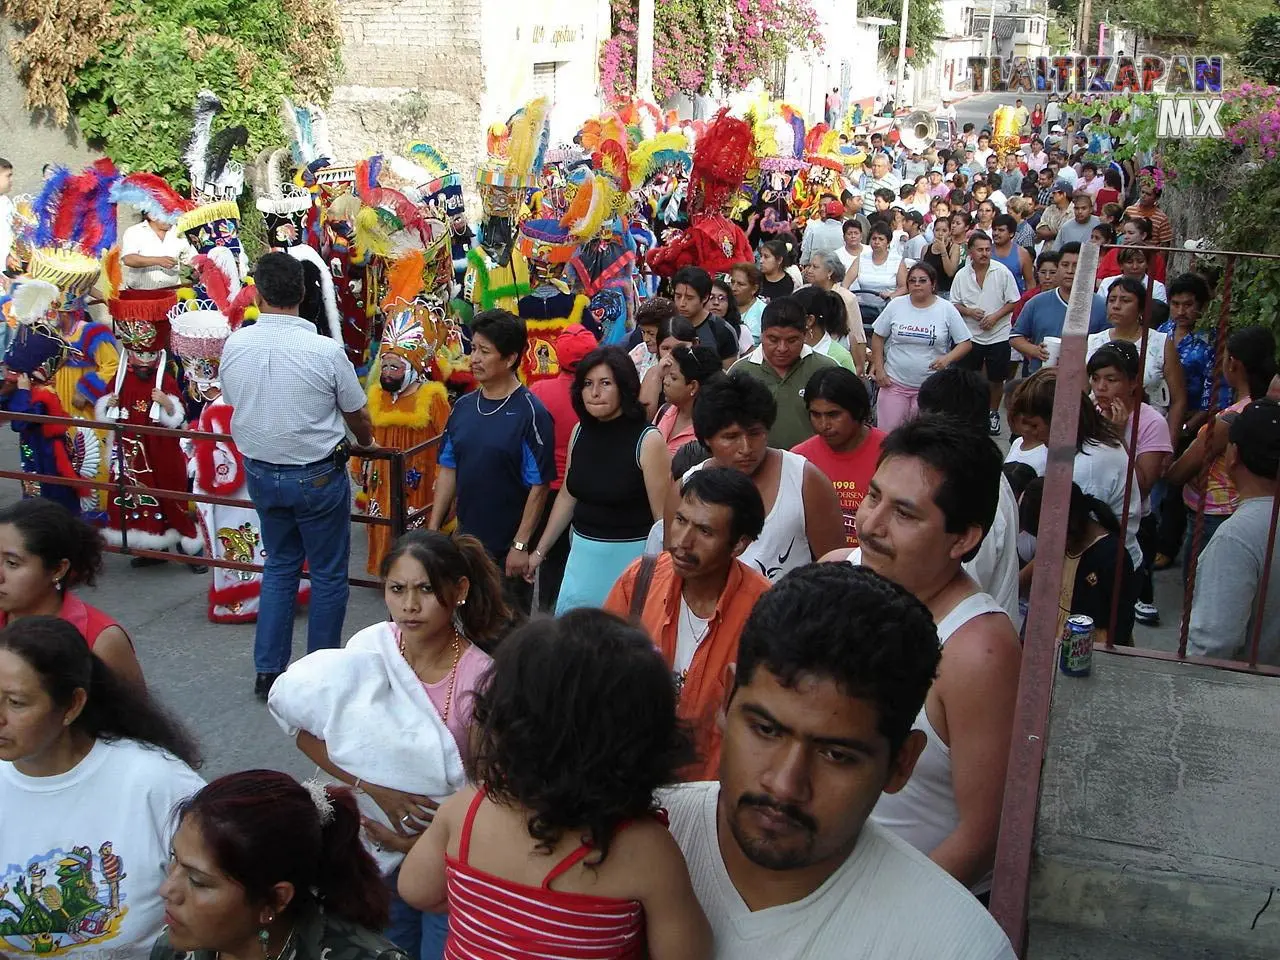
(1075, 649)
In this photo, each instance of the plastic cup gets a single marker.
(1054, 346)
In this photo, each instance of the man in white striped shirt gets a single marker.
(817, 726)
(150, 253)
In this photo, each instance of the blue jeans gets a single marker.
(305, 513)
(1212, 521)
(420, 935)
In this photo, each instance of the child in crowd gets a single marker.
(559, 850)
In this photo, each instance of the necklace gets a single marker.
(452, 674)
(691, 622)
(481, 396)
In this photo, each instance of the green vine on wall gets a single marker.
(128, 71)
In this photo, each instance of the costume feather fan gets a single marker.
(404, 279)
(32, 299)
(654, 154)
(207, 107)
(372, 238)
(306, 254)
(111, 273)
(150, 194)
(214, 281)
(219, 151)
(611, 158)
(530, 134)
(46, 206)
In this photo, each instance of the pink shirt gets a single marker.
(471, 667)
(1153, 437)
(667, 423)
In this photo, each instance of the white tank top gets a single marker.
(924, 813)
(782, 544)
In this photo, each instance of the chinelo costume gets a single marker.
(216, 184)
(779, 144)
(147, 460)
(722, 158)
(44, 448)
(408, 405)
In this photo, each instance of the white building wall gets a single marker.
(847, 62)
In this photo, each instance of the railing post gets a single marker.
(117, 433)
(397, 509)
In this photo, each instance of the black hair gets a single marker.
(970, 489)
(687, 457)
(961, 214)
(681, 328)
(780, 251)
(1005, 220)
(1064, 249)
(1120, 354)
(1129, 254)
(1034, 397)
(1143, 224)
(1107, 230)
(694, 277)
(654, 311)
(1256, 447)
(1049, 256)
(842, 387)
(505, 331)
(885, 194)
(957, 391)
(732, 315)
(976, 236)
(725, 487)
(53, 533)
(575, 722)
(1019, 475)
(114, 709)
(447, 559)
(783, 312)
(1191, 283)
(1111, 177)
(624, 377)
(5, 164)
(1132, 286)
(698, 364)
(736, 399)
(927, 269)
(1082, 508)
(880, 228)
(797, 633)
(1255, 349)
(279, 280)
(825, 306)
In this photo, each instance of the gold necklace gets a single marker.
(452, 674)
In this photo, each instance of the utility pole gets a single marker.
(991, 28)
(898, 96)
(644, 51)
(1086, 14)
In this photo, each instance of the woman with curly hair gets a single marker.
(559, 849)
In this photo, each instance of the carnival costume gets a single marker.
(44, 448)
(405, 413)
(721, 159)
(779, 145)
(146, 460)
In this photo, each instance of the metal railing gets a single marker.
(399, 519)
(1015, 844)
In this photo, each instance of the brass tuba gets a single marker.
(918, 130)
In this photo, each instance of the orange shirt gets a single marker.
(703, 690)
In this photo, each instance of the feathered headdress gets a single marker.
(77, 210)
(150, 194)
(530, 134)
(208, 155)
(721, 160)
(657, 153)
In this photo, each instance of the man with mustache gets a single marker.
(699, 596)
(926, 512)
(817, 726)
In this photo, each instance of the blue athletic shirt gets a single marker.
(499, 449)
(1044, 315)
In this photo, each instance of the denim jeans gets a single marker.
(305, 512)
(1212, 521)
(420, 935)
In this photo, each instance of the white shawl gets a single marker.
(375, 718)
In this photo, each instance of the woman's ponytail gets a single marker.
(348, 879)
(485, 613)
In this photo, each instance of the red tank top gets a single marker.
(90, 621)
(491, 918)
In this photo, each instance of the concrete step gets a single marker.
(1054, 941)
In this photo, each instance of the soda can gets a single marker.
(1075, 657)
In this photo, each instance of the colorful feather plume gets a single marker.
(611, 158)
(151, 195)
(112, 273)
(427, 156)
(591, 205)
(32, 299)
(405, 279)
(530, 135)
(214, 281)
(196, 156)
(655, 153)
(219, 150)
(372, 236)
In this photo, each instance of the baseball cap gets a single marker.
(1256, 434)
(1056, 128)
(916, 216)
(834, 208)
(1061, 185)
(573, 344)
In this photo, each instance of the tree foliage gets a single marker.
(701, 43)
(1209, 26)
(924, 25)
(1261, 52)
(131, 88)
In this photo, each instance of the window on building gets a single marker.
(544, 80)
(968, 21)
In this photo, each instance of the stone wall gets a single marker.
(413, 72)
(27, 141)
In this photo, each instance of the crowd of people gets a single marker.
(634, 694)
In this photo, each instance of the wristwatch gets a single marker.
(519, 546)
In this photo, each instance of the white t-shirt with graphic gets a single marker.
(916, 336)
(82, 854)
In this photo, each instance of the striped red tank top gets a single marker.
(491, 918)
